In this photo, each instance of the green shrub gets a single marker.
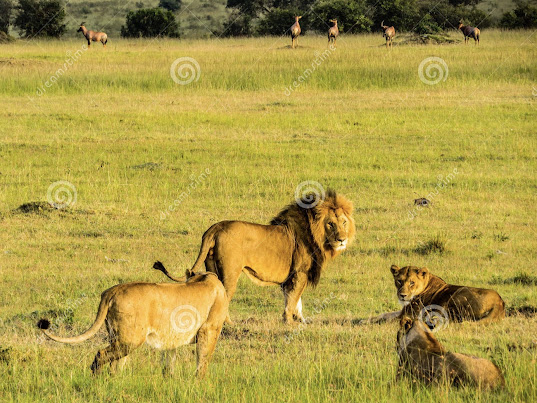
(150, 23)
(40, 18)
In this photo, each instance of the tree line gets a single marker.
(33, 18)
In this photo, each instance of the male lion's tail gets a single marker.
(207, 242)
(44, 324)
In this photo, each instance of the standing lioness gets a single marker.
(417, 288)
(422, 356)
(165, 316)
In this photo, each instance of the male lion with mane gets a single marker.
(165, 316)
(290, 252)
(417, 289)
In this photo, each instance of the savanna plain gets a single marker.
(153, 163)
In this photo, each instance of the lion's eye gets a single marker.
(412, 284)
(331, 225)
(344, 223)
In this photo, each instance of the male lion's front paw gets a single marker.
(301, 319)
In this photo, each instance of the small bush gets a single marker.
(434, 245)
(427, 25)
(150, 23)
(171, 5)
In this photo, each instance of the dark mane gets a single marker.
(303, 224)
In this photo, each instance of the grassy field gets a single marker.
(153, 163)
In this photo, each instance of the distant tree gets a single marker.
(523, 16)
(150, 23)
(6, 7)
(464, 2)
(238, 24)
(427, 25)
(278, 21)
(40, 18)
(249, 7)
(350, 14)
(473, 16)
(404, 15)
(171, 5)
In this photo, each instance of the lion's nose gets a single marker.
(341, 240)
(403, 295)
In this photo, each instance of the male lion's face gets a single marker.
(410, 282)
(339, 229)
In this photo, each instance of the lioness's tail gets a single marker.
(44, 324)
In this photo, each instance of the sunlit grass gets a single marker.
(132, 141)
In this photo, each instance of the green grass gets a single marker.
(132, 141)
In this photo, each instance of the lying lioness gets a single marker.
(165, 316)
(422, 356)
(417, 288)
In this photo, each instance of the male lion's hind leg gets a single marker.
(118, 365)
(230, 278)
(206, 343)
(292, 292)
(114, 352)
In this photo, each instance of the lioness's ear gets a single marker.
(423, 272)
(394, 269)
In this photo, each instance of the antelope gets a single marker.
(295, 31)
(469, 32)
(333, 32)
(389, 34)
(93, 36)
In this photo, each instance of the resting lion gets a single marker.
(423, 357)
(290, 252)
(417, 288)
(165, 316)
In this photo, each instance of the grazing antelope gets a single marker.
(333, 32)
(93, 36)
(295, 31)
(470, 32)
(389, 34)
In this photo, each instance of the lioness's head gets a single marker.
(334, 214)
(410, 281)
(415, 332)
